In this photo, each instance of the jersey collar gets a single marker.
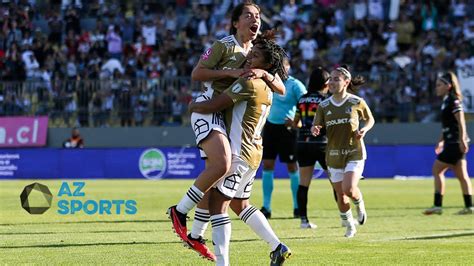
(341, 103)
(238, 44)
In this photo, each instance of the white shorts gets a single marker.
(203, 124)
(337, 174)
(238, 181)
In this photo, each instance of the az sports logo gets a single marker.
(152, 164)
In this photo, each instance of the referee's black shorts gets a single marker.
(279, 140)
(309, 153)
(451, 153)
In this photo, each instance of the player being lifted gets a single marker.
(219, 67)
(345, 153)
(247, 103)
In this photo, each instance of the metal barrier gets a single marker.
(99, 103)
(163, 101)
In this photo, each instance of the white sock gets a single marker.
(356, 202)
(254, 218)
(190, 200)
(201, 220)
(221, 230)
(347, 216)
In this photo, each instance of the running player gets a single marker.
(452, 146)
(279, 139)
(247, 103)
(219, 66)
(310, 149)
(345, 153)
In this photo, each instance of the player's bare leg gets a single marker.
(460, 170)
(343, 203)
(438, 170)
(350, 186)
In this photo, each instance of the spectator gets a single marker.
(75, 141)
(308, 47)
(114, 42)
(159, 46)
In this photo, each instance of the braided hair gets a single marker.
(273, 53)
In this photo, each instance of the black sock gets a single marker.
(438, 199)
(467, 201)
(302, 198)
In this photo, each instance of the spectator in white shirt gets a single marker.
(149, 33)
(308, 47)
(289, 11)
(31, 64)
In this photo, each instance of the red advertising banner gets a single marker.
(23, 131)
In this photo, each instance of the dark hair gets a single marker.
(273, 53)
(237, 12)
(451, 79)
(318, 79)
(355, 81)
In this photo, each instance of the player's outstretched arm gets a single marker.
(216, 104)
(203, 73)
(273, 81)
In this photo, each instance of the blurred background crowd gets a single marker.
(128, 63)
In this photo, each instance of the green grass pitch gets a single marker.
(396, 231)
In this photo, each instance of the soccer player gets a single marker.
(310, 149)
(345, 153)
(219, 67)
(247, 103)
(279, 139)
(452, 146)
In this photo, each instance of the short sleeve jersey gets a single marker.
(246, 118)
(341, 120)
(306, 110)
(225, 53)
(451, 105)
(284, 106)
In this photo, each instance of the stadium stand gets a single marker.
(127, 63)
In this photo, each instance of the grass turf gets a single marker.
(396, 231)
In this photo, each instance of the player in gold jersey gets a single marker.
(345, 153)
(219, 67)
(247, 103)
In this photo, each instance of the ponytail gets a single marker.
(355, 82)
(451, 79)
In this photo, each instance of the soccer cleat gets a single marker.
(466, 211)
(308, 225)
(179, 223)
(433, 210)
(361, 213)
(279, 255)
(350, 230)
(296, 213)
(199, 245)
(266, 213)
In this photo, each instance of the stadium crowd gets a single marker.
(128, 63)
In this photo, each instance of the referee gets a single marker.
(279, 139)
